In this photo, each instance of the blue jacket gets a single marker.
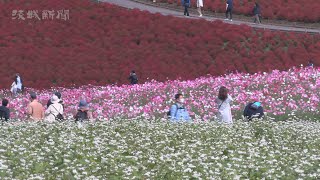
(186, 2)
(179, 113)
(256, 10)
(230, 4)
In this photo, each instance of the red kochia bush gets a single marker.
(101, 43)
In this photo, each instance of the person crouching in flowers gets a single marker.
(83, 112)
(223, 104)
(54, 111)
(177, 111)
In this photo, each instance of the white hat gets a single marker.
(55, 99)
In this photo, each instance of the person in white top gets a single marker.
(53, 110)
(223, 104)
(199, 6)
(16, 86)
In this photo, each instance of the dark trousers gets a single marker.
(257, 18)
(229, 10)
(186, 12)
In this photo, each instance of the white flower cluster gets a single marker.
(138, 149)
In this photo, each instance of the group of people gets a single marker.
(54, 111)
(229, 8)
(178, 112)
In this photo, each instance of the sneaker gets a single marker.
(230, 19)
(200, 15)
(226, 19)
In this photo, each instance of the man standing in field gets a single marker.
(35, 109)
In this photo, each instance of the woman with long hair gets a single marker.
(16, 86)
(223, 104)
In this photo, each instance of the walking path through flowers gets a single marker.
(136, 5)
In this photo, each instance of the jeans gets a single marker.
(229, 10)
(186, 12)
(257, 18)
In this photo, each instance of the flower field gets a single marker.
(102, 43)
(90, 56)
(292, 10)
(284, 95)
(158, 150)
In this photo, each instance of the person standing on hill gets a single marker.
(133, 78)
(186, 4)
(229, 8)
(199, 6)
(257, 13)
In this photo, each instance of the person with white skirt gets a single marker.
(16, 86)
(199, 6)
(224, 108)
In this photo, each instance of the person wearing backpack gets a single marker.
(55, 111)
(4, 111)
(133, 78)
(177, 111)
(253, 110)
(223, 105)
(83, 112)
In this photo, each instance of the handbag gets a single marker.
(59, 117)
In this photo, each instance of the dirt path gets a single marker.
(154, 9)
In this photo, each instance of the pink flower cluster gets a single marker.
(296, 90)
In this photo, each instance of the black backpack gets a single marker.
(81, 115)
(169, 112)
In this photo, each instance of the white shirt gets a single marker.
(52, 111)
(19, 84)
(224, 112)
